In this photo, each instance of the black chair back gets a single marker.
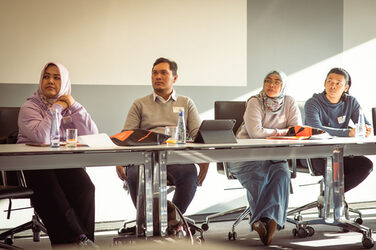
(8, 124)
(12, 183)
(8, 135)
(230, 110)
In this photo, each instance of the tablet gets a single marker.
(216, 131)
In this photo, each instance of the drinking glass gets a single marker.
(172, 131)
(71, 138)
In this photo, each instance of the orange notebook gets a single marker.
(296, 137)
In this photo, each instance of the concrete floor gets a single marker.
(325, 237)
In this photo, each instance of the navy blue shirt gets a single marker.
(334, 118)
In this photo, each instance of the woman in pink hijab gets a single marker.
(63, 198)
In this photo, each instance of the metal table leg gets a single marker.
(152, 195)
(162, 187)
(334, 205)
(144, 218)
(140, 203)
(160, 193)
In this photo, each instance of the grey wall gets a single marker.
(359, 22)
(289, 35)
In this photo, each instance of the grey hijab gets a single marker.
(273, 105)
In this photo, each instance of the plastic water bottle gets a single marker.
(361, 126)
(55, 130)
(181, 128)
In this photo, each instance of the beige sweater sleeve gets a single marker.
(258, 124)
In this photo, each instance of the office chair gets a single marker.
(304, 166)
(228, 110)
(302, 229)
(19, 190)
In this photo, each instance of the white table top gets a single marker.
(15, 149)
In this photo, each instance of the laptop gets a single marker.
(216, 132)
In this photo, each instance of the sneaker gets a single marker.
(85, 242)
(128, 230)
(175, 223)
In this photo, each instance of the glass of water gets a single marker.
(172, 132)
(71, 138)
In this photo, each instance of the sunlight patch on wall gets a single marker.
(359, 61)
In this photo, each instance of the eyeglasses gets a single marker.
(270, 81)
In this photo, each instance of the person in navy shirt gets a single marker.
(332, 111)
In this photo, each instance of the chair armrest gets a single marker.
(310, 168)
(228, 174)
(292, 164)
(220, 168)
(304, 166)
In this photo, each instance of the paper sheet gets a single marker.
(98, 140)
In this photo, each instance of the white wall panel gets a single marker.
(115, 42)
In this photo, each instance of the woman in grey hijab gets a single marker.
(267, 182)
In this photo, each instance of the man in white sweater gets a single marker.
(156, 111)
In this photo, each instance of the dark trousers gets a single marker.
(64, 199)
(182, 176)
(356, 169)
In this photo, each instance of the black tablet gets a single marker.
(216, 131)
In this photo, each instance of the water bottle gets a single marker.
(361, 126)
(55, 130)
(181, 129)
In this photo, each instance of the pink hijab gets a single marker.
(65, 87)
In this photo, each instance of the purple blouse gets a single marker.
(34, 121)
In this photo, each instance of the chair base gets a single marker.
(232, 235)
(245, 211)
(242, 210)
(124, 235)
(6, 246)
(35, 225)
(194, 228)
(302, 228)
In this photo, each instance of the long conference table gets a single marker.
(152, 161)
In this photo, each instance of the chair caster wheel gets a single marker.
(367, 242)
(8, 241)
(310, 231)
(294, 232)
(232, 236)
(36, 235)
(359, 221)
(200, 240)
(302, 232)
(298, 218)
(205, 227)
